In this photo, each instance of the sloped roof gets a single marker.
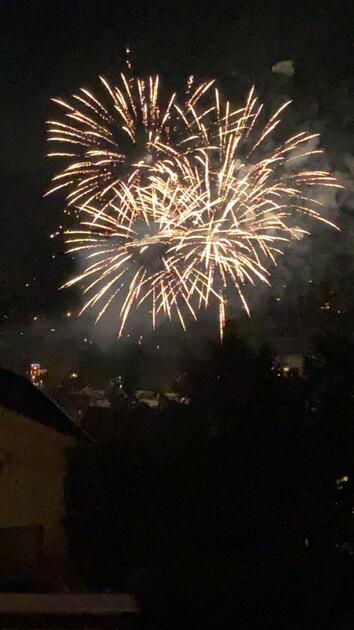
(19, 395)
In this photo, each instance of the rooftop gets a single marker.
(19, 395)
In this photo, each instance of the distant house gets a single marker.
(155, 399)
(34, 437)
(290, 354)
(77, 402)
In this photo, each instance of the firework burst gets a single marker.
(207, 215)
(109, 140)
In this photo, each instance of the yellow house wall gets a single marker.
(32, 473)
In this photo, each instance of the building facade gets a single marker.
(35, 436)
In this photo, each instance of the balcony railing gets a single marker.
(68, 610)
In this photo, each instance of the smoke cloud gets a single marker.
(285, 67)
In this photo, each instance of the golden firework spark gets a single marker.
(207, 216)
(108, 140)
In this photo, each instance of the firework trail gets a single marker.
(214, 211)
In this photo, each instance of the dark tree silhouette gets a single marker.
(237, 510)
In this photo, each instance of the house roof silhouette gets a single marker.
(19, 395)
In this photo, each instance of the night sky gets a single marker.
(51, 48)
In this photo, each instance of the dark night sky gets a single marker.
(50, 47)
